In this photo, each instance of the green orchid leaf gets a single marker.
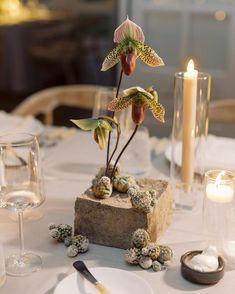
(148, 55)
(104, 124)
(109, 119)
(112, 121)
(101, 135)
(86, 124)
(112, 58)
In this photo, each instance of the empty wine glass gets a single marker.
(100, 108)
(21, 188)
(136, 158)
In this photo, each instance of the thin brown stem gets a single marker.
(115, 148)
(123, 149)
(108, 146)
(119, 83)
(112, 115)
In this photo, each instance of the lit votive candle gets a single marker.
(219, 193)
(219, 210)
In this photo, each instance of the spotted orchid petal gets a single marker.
(130, 39)
(128, 30)
(157, 109)
(148, 55)
(151, 101)
(139, 95)
(130, 95)
(120, 103)
(112, 58)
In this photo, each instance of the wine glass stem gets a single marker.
(21, 235)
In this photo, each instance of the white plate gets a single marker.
(13, 123)
(115, 280)
(219, 154)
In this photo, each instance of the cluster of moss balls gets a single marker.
(63, 233)
(102, 187)
(147, 254)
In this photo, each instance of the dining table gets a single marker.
(69, 166)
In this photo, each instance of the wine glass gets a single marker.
(21, 188)
(100, 107)
(136, 158)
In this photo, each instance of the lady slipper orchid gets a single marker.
(139, 99)
(128, 29)
(129, 39)
(101, 126)
(128, 61)
(130, 46)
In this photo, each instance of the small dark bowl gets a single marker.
(204, 278)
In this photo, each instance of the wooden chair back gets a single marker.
(45, 101)
(222, 111)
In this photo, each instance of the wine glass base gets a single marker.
(22, 265)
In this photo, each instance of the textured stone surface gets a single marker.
(112, 221)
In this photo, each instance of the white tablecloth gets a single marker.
(68, 169)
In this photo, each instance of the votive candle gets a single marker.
(219, 210)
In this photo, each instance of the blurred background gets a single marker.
(45, 43)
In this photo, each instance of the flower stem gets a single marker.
(114, 150)
(109, 137)
(123, 149)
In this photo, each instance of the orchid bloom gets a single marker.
(139, 99)
(100, 126)
(130, 45)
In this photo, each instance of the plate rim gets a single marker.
(38, 126)
(110, 268)
(208, 165)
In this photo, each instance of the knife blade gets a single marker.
(82, 269)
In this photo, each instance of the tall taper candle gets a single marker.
(189, 121)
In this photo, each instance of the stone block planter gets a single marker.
(112, 221)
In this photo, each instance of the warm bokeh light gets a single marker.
(10, 7)
(13, 11)
(220, 15)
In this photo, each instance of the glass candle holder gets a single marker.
(2, 266)
(189, 132)
(219, 211)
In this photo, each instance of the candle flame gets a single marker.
(190, 66)
(218, 178)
